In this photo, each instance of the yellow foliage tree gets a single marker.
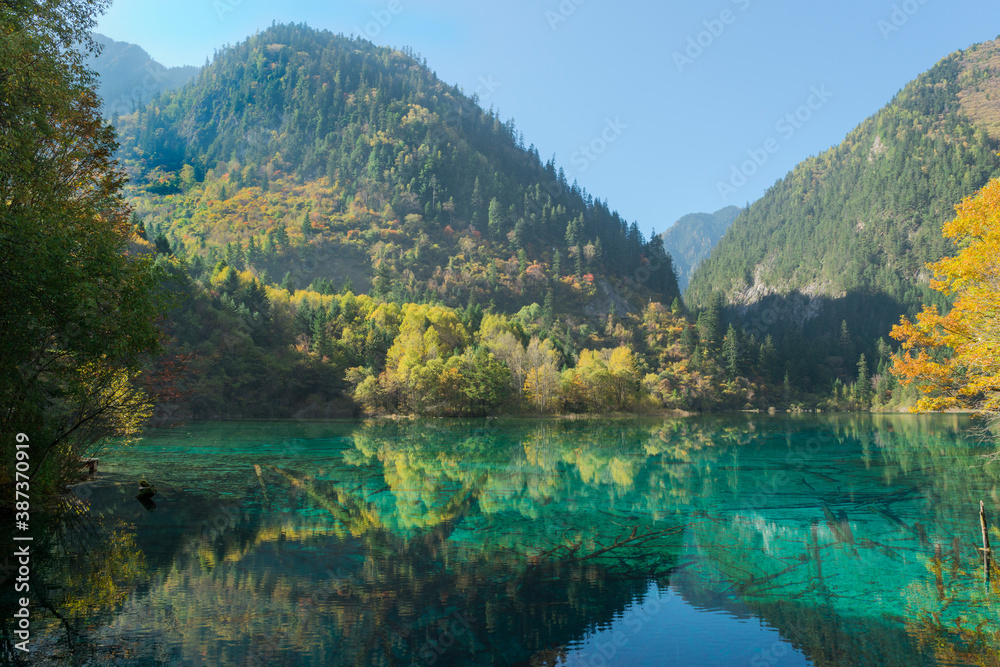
(955, 358)
(605, 379)
(541, 387)
(428, 337)
(497, 336)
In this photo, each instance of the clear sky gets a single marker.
(657, 107)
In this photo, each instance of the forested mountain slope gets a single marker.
(328, 157)
(846, 235)
(343, 229)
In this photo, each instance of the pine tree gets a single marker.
(476, 201)
(688, 341)
(710, 323)
(846, 343)
(548, 310)
(496, 222)
(731, 352)
(767, 359)
(864, 385)
(288, 283)
(253, 254)
(320, 336)
(162, 245)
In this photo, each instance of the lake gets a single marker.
(718, 540)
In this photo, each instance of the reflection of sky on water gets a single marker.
(667, 629)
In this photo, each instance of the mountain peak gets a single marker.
(365, 163)
(129, 77)
(692, 237)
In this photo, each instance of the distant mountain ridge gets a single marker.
(130, 77)
(691, 239)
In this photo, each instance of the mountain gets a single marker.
(129, 77)
(359, 162)
(845, 236)
(692, 237)
(339, 224)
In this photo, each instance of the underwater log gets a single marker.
(986, 542)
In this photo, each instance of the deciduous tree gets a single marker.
(955, 358)
(76, 311)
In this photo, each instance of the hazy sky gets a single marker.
(662, 108)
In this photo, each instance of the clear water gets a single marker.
(739, 540)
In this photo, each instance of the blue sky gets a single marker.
(662, 108)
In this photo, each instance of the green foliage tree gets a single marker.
(767, 359)
(710, 324)
(732, 352)
(863, 388)
(486, 380)
(496, 220)
(77, 287)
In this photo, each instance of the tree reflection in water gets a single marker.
(506, 542)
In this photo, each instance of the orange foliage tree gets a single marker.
(954, 358)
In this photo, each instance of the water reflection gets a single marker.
(82, 568)
(526, 542)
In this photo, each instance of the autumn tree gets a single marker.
(417, 368)
(541, 382)
(484, 381)
(607, 379)
(954, 358)
(497, 335)
(76, 311)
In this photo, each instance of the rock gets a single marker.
(146, 490)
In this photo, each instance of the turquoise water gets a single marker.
(739, 540)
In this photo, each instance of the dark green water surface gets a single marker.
(738, 540)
